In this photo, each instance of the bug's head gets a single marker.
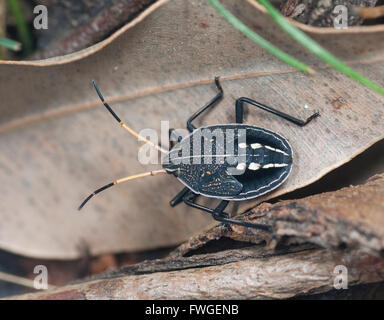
(172, 168)
(171, 163)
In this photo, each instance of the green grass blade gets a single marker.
(21, 25)
(259, 40)
(318, 50)
(10, 44)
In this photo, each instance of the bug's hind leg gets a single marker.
(240, 112)
(211, 103)
(219, 214)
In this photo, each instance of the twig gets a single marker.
(369, 12)
(25, 282)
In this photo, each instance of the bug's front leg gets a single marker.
(179, 197)
(211, 103)
(219, 214)
(171, 143)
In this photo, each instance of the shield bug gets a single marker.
(230, 162)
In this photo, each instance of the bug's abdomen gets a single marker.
(269, 163)
(266, 157)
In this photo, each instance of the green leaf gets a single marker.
(259, 40)
(21, 25)
(10, 44)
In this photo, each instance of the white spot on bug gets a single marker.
(242, 145)
(241, 166)
(256, 145)
(276, 150)
(275, 165)
(281, 165)
(281, 151)
(254, 166)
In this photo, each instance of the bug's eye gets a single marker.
(175, 172)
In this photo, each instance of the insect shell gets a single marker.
(255, 165)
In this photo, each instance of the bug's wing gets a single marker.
(220, 184)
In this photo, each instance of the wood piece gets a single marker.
(288, 7)
(351, 217)
(276, 277)
(315, 31)
(319, 13)
(370, 13)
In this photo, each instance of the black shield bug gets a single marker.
(230, 162)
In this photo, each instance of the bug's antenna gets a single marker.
(133, 177)
(132, 132)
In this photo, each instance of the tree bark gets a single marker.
(281, 276)
(230, 262)
(350, 217)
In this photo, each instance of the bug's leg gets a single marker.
(190, 126)
(179, 197)
(219, 214)
(240, 112)
(223, 218)
(172, 132)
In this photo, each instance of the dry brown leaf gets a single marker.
(58, 143)
(80, 24)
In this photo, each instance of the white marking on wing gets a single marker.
(276, 150)
(281, 151)
(256, 145)
(281, 165)
(241, 166)
(242, 145)
(254, 166)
